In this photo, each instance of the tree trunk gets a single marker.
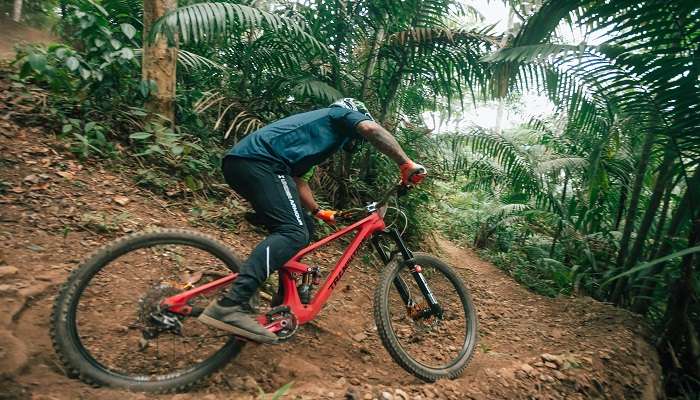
(392, 90)
(679, 333)
(621, 205)
(372, 61)
(642, 165)
(643, 300)
(159, 62)
(17, 11)
(662, 179)
(661, 223)
(560, 225)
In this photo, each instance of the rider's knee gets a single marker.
(298, 235)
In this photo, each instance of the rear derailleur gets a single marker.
(159, 322)
(152, 318)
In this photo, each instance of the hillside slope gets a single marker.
(54, 210)
(12, 34)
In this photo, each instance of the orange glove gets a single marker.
(326, 215)
(412, 172)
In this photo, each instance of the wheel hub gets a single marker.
(152, 319)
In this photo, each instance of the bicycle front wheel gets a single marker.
(431, 343)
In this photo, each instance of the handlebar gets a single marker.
(378, 206)
(399, 190)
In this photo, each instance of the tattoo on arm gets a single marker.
(382, 140)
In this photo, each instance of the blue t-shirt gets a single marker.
(302, 140)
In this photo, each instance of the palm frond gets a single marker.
(207, 21)
(316, 89)
(190, 61)
(558, 164)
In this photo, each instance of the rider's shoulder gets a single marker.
(343, 113)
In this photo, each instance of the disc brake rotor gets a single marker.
(422, 315)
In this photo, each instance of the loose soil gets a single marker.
(54, 210)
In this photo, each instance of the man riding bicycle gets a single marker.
(268, 168)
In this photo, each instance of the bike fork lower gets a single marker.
(416, 272)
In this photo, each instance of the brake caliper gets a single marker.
(419, 311)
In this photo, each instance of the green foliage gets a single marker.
(622, 228)
(90, 138)
(175, 150)
(94, 79)
(170, 144)
(202, 21)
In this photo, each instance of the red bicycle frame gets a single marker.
(366, 227)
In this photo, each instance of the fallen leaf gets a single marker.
(65, 174)
(191, 279)
(40, 186)
(17, 190)
(33, 178)
(121, 200)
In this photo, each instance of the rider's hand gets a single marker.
(326, 215)
(412, 173)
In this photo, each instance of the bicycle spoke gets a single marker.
(113, 313)
(429, 338)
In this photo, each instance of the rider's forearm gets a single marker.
(382, 140)
(306, 195)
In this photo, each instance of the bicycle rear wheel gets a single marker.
(429, 344)
(107, 326)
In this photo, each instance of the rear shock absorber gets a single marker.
(308, 281)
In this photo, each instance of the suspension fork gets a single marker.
(416, 272)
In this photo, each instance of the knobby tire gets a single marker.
(78, 363)
(389, 338)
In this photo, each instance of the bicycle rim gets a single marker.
(430, 346)
(110, 306)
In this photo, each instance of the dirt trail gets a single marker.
(12, 33)
(54, 210)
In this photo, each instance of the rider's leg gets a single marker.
(273, 194)
(255, 219)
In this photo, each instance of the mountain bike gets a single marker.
(127, 316)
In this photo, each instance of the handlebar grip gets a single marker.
(418, 175)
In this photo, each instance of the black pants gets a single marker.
(274, 197)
